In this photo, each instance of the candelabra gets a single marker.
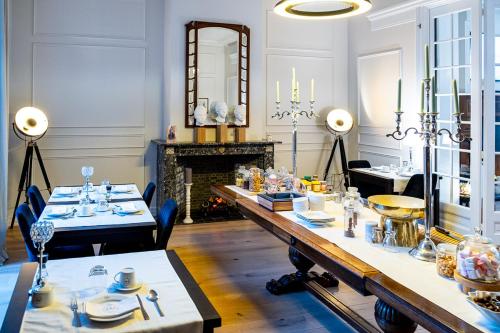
(41, 232)
(295, 113)
(428, 132)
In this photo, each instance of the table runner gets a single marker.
(70, 276)
(132, 195)
(417, 275)
(101, 218)
(400, 182)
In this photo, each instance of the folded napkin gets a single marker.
(57, 210)
(121, 188)
(66, 191)
(127, 207)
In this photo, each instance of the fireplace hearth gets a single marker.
(212, 163)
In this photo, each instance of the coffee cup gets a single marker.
(102, 204)
(317, 202)
(385, 168)
(126, 277)
(300, 204)
(85, 210)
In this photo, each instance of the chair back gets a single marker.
(415, 186)
(167, 216)
(26, 219)
(358, 164)
(36, 200)
(148, 193)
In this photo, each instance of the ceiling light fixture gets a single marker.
(321, 9)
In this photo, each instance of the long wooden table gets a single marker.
(19, 300)
(398, 308)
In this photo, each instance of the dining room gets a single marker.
(250, 166)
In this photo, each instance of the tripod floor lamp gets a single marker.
(339, 122)
(30, 125)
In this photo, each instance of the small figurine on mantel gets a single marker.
(200, 115)
(219, 111)
(240, 115)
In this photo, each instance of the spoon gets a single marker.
(153, 297)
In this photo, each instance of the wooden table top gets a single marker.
(360, 276)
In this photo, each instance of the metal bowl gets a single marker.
(397, 206)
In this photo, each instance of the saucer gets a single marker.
(97, 210)
(117, 287)
(79, 214)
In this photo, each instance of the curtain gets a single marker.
(4, 133)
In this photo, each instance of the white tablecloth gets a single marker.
(399, 181)
(134, 194)
(101, 219)
(419, 276)
(70, 276)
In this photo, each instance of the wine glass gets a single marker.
(87, 172)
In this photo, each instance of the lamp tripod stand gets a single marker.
(27, 172)
(339, 141)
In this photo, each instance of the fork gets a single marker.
(74, 308)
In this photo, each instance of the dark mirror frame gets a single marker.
(243, 95)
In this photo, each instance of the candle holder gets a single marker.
(188, 219)
(295, 113)
(428, 132)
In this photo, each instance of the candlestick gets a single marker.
(312, 89)
(399, 95)
(277, 91)
(188, 219)
(422, 97)
(427, 67)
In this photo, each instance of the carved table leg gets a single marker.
(391, 320)
(295, 281)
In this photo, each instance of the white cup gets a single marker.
(126, 277)
(300, 204)
(102, 205)
(317, 202)
(85, 210)
(385, 168)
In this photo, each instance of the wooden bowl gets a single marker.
(468, 285)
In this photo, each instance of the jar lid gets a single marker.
(447, 247)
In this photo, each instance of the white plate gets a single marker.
(102, 211)
(111, 306)
(107, 320)
(316, 216)
(79, 214)
(117, 286)
(66, 191)
(57, 211)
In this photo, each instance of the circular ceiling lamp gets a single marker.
(31, 122)
(321, 9)
(339, 121)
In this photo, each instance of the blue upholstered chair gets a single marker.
(148, 193)
(358, 164)
(25, 219)
(134, 243)
(36, 200)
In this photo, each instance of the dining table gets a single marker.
(184, 306)
(390, 180)
(409, 291)
(99, 226)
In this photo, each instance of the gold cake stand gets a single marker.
(400, 214)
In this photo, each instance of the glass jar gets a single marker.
(255, 181)
(352, 209)
(390, 243)
(478, 259)
(446, 260)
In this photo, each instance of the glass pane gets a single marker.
(466, 131)
(191, 35)
(464, 192)
(464, 159)
(442, 27)
(443, 161)
(443, 78)
(461, 24)
(462, 75)
(244, 39)
(461, 52)
(444, 140)
(191, 48)
(443, 54)
(444, 107)
(497, 108)
(497, 138)
(244, 63)
(497, 48)
(497, 167)
(465, 107)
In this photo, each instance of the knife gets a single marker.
(144, 313)
(447, 233)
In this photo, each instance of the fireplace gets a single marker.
(212, 163)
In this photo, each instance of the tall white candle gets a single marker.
(277, 91)
(312, 89)
(298, 92)
(293, 84)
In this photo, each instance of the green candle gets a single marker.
(422, 97)
(426, 56)
(455, 96)
(434, 98)
(399, 95)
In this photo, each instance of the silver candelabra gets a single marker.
(41, 232)
(295, 113)
(428, 132)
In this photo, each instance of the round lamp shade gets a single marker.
(321, 9)
(339, 121)
(31, 121)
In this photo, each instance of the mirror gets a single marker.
(217, 74)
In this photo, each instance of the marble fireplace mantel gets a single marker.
(211, 162)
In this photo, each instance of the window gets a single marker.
(451, 39)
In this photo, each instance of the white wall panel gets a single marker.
(92, 18)
(89, 86)
(376, 158)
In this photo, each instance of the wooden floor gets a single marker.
(232, 261)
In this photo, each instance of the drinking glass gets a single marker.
(390, 243)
